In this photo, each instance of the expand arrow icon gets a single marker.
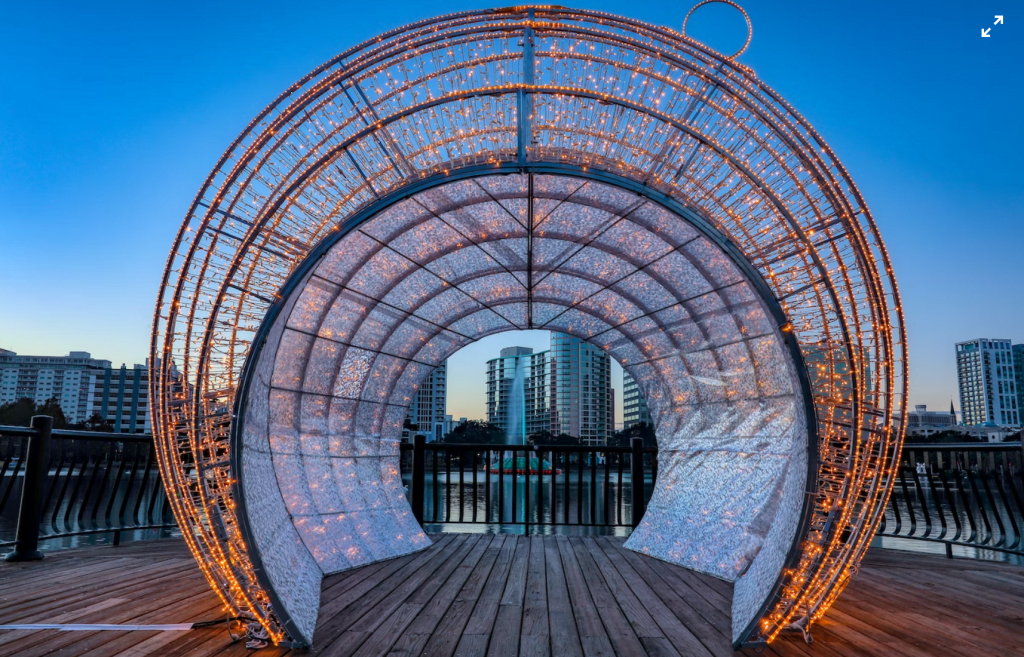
(999, 20)
(985, 32)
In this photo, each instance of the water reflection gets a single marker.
(600, 503)
(82, 499)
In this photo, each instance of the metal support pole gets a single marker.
(524, 100)
(26, 547)
(419, 450)
(636, 478)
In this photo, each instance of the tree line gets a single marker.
(484, 433)
(19, 413)
(480, 432)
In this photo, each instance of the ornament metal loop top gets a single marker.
(750, 26)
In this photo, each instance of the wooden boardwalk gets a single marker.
(479, 594)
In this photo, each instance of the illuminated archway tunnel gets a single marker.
(513, 169)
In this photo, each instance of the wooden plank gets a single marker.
(705, 620)
(200, 644)
(535, 633)
(10, 637)
(508, 621)
(438, 592)
(893, 559)
(588, 621)
(956, 583)
(481, 620)
(447, 635)
(900, 619)
(639, 617)
(190, 601)
(434, 597)
(711, 611)
(698, 582)
(941, 594)
(343, 597)
(201, 608)
(238, 649)
(594, 639)
(383, 637)
(597, 646)
(474, 585)
(338, 614)
(619, 631)
(36, 587)
(480, 599)
(67, 589)
(683, 639)
(335, 584)
(839, 622)
(712, 638)
(183, 595)
(565, 638)
(472, 645)
(897, 622)
(505, 635)
(361, 620)
(40, 580)
(1007, 584)
(515, 585)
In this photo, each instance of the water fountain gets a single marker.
(515, 425)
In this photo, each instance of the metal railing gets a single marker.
(967, 494)
(76, 483)
(546, 485)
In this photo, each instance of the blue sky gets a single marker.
(111, 115)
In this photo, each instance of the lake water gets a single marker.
(555, 504)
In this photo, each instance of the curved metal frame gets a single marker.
(750, 26)
(703, 132)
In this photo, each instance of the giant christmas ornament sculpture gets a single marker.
(530, 167)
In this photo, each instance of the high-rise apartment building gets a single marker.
(83, 386)
(69, 379)
(582, 400)
(988, 391)
(566, 389)
(122, 399)
(427, 410)
(1017, 353)
(634, 406)
(518, 392)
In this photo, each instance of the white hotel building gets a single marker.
(985, 375)
(427, 410)
(83, 386)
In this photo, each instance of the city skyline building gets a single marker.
(428, 407)
(634, 406)
(921, 420)
(582, 399)
(71, 380)
(1017, 355)
(564, 390)
(986, 382)
(82, 385)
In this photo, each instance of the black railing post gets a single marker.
(636, 478)
(26, 547)
(419, 449)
